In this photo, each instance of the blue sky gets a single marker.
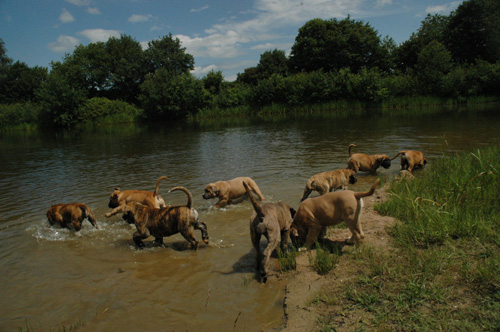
(225, 35)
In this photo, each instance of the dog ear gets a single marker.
(215, 190)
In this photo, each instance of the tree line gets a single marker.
(450, 56)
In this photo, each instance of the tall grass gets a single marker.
(444, 272)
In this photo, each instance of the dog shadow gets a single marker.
(245, 264)
(177, 245)
(333, 247)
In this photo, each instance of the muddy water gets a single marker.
(97, 278)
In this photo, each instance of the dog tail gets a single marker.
(400, 152)
(349, 149)
(188, 193)
(252, 199)
(359, 195)
(155, 193)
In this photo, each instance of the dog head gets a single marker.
(211, 191)
(352, 177)
(129, 212)
(384, 160)
(114, 200)
(297, 234)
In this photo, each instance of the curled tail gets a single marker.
(400, 152)
(349, 148)
(158, 184)
(188, 193)
(252, 199)
(359, 195)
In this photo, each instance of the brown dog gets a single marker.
(119, 199)
(411, 160)
(365, 163)
(315, 214)
(231, 191)
(165, 221)
(70, 215)
(272, 220)
(329, 181)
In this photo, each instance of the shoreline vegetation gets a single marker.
(434, 265)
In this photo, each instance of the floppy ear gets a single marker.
(215, 190)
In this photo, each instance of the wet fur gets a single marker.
(231, 191)
(315, 214)
(166, 221)
(367, 163)
(70, 215)
(119, 199)
(272, 220)
(329, 181)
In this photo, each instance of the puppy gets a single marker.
(317, 213)
(119, 199)
(70, 215)
(231, 191)
(329, 181)
(272, 220)
(165, 221)
(411, 160)
(365, 163)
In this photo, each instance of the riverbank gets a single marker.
(436, 267)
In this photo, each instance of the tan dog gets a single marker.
(411, 160)
(367, 163)
(272, 220)
(230, 192)
(119, 199)
(165, 221)
(70, 215)
(315, 214)
(329, 181)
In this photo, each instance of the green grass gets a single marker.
(322, 260)
(444, 272)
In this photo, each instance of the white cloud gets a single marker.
(93, 11)
(66, 16)
(140, 18)
(79, 3)
(64, 44)
(96, 35)
(443, 9)
(196, 10)
(224, 40)
(202, 71)
(382, 3)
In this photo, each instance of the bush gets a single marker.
(18, 114)
(99, 108)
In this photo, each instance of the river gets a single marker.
(97, 280)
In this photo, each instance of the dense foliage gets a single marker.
(453, 57)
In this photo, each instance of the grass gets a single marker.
(73, 327)
(444, 272)
(287, 259)
(322, 260)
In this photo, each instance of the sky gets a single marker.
(222, 35)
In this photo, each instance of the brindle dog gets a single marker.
(165, 221)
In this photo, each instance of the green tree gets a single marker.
(213, 82)
(59, 99)
(434, 62)
(21, 82)
(166, 96)
(249, 76)
(126, 67)
(167, 53)
(474, 31)
(5, 63)
(272, 62)
(330, 45)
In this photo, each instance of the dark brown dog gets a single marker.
(329, 181)
(70, 215)
(165, 221)
(411, 160)
(119, 199)
(367, 163)
(317, 213)
(272, 220)
(230, 191)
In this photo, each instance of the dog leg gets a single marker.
(312, 235)
(115, 211)
(222, 202)
(138, 237)
(203, 228)
(187, 232)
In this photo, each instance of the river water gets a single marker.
(98, 281)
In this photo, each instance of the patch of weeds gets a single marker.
(324, 261)
(287, 259)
